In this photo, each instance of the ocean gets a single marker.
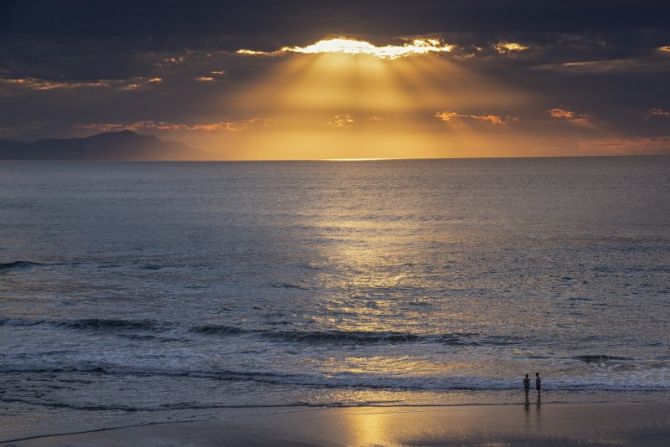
(164, 291)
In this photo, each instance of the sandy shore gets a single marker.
(471, 425)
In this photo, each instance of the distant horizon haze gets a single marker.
(128, 145)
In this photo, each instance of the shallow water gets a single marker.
(182, 286)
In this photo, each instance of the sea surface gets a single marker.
(161, 291)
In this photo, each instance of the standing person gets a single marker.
(538, 383)
(526, 384)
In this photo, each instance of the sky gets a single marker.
(247, 80)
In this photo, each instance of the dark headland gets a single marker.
(123, 145)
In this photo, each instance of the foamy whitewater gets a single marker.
(167, 288)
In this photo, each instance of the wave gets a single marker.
(287, 285)
(358, 337)
(340, 337)
(214, 329)
(19, 322)
(357, 381)
(17, 265)
(337, 336)
(600, 358)
(348, 337)
(214, 406)
(91, 324)
(97, 324)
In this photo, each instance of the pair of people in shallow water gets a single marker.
(538, 383)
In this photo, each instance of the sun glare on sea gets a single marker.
(358, 159)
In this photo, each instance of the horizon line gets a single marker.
(344, 160)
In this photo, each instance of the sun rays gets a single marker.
(345, 98)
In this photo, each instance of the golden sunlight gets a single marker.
(510, 47)
(344, 98)
(353, 46)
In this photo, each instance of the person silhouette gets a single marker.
(526, 385)
(538, 383)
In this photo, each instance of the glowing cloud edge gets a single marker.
(349, 46)
(510, 47)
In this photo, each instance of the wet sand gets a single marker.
(638, 424)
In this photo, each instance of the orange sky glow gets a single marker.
(343, 98)
(348, 98)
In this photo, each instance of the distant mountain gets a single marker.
(123, 145)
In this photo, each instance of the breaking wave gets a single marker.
(17, 265)
(351, 380)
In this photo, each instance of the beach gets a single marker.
(594, 424)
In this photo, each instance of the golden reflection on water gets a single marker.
(384, 364)
(473, 425)
(394, 427)
(480, 425)
(369, 429)
(369, 263)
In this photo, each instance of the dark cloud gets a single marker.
(273, 19)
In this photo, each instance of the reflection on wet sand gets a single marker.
(470, 425)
